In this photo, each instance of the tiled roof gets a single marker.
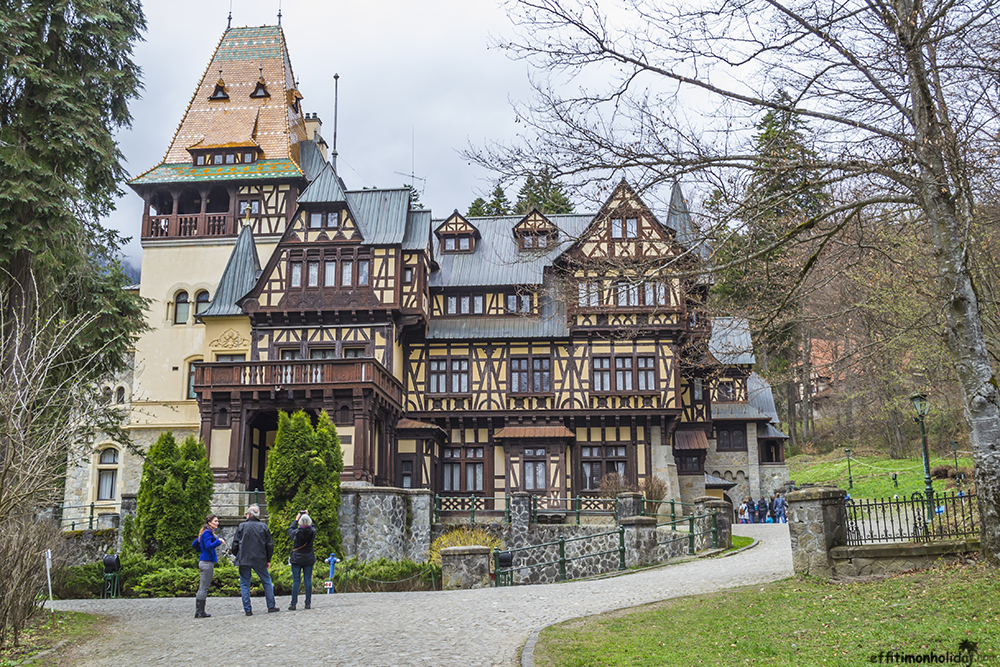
(243, 56)
(238, 278)
(549, 431)
(262, 169)
(730, 342)
(690, 440)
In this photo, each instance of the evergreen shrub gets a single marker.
(464, 536)
(303, 473)
(383, 575)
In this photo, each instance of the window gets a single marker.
(190, 379)
(654, 294)
(230, 158)
(217, 159)
(201, 302)
(449, 243)
(437, 382)
(247, 158)
(689, 465)
(469, 458)
(407, 276)
(406, 474)
(200, 160)
(452, 305)
(354, 353)
(534, 470)
(530, 375)
(731, 438)
(120, 395)
(230, 357)
(107, 478)
(323, 353)
(296, 274)
(251, 206)
(288, 372)
(315, 220)
(699, 390)
(464, 243)
(330, 274)
(597, 461)
(623, 373)
(346, 273)
(625, 229)
(459, 376)
(182, 309)
(602, 374)
(589, 296)
(477, 304)
(646, 372)
(628, 293)
(726, 391)
(313, 274)
(465, 305)
(363, 265)
(519, 303)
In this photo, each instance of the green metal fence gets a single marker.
(573, 507)
(481, 506)
(690, 519)
(503, 562)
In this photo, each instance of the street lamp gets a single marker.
(922, 407)
(850, 480)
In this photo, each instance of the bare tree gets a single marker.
(902, 96)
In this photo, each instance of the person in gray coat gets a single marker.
(253, 548)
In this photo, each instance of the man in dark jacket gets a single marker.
(253, 548)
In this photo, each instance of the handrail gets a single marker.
(504, 576)
(473, 501)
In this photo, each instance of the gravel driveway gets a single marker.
(460, 628)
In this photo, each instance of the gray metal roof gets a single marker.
(238, 278)
(760, 396)
(769, 431)
(498, 259)
(550, 323)
(326, 188)
(310, 159)
(730, 342)
(713, 481)
(381, 214)
(418, 230)
(743, 411)
(679, 219)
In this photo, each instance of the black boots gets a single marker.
(199, 609)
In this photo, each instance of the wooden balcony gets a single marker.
(186, 226)
(299, 374)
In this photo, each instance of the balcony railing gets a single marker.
(297, 374)
(185, 226)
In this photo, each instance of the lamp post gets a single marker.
(850, 479)
(922, 407)
(954, 451)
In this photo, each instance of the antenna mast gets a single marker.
(336, 99)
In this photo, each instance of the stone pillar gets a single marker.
(629, 505)
(129, 505)
(421, 516)
(817, 522)
(723, 522)
(465, 567)
(520, 518)
(640, 541)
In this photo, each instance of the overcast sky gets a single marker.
(418, 82)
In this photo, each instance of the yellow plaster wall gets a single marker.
(221, 440)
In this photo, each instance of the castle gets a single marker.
(469, 356)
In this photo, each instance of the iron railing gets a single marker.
(79, 517)
(483, 506)
(235, 503)
(504, 576)
(952, 516)
(692, 534)
(576, 507)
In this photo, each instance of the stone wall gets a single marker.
(385, 522)
(80, 547)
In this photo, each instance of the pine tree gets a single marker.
(477, 208)
(498, 204)
(303, 473)
(544, 193)
(175, 494)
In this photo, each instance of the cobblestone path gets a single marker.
(454, 628)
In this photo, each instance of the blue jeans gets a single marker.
(781, 515)
(265, 579)
(297, 572)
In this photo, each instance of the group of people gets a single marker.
(253, 547)
(765, 510)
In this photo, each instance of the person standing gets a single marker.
(762, 510)
(751, 510)
(208, 543)
(253, 548)
(303, 534)
(780, 506)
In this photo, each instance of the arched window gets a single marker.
(120, 395)
(107, 474)
(182, 309)
(201, 302)
(189, 392)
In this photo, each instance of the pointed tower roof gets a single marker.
(326, 189)
(238, 278)
(273, 123)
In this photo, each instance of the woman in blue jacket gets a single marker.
(303, 534)
(208, 543)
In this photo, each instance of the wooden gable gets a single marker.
(535, 231)
(457, 234)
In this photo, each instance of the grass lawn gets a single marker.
(873, 474)
(70, 627)
(795, 622)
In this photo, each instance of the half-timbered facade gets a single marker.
(466, 355)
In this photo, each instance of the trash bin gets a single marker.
(111, 584)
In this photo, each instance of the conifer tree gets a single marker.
(175, 494)
(498, 204)
(477, 208)
(544, 193)
(303, 473)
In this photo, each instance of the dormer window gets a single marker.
(209, 157)
(536, 240)
(457, 243)
(625, 228)
(261, 89)
(220, 90)
(199, 160)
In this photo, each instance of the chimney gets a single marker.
(313, 127)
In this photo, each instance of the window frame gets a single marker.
(730, 431)
(604, 457)
(455, 372)
(535, 457)
(181, 299)
(534, 378)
